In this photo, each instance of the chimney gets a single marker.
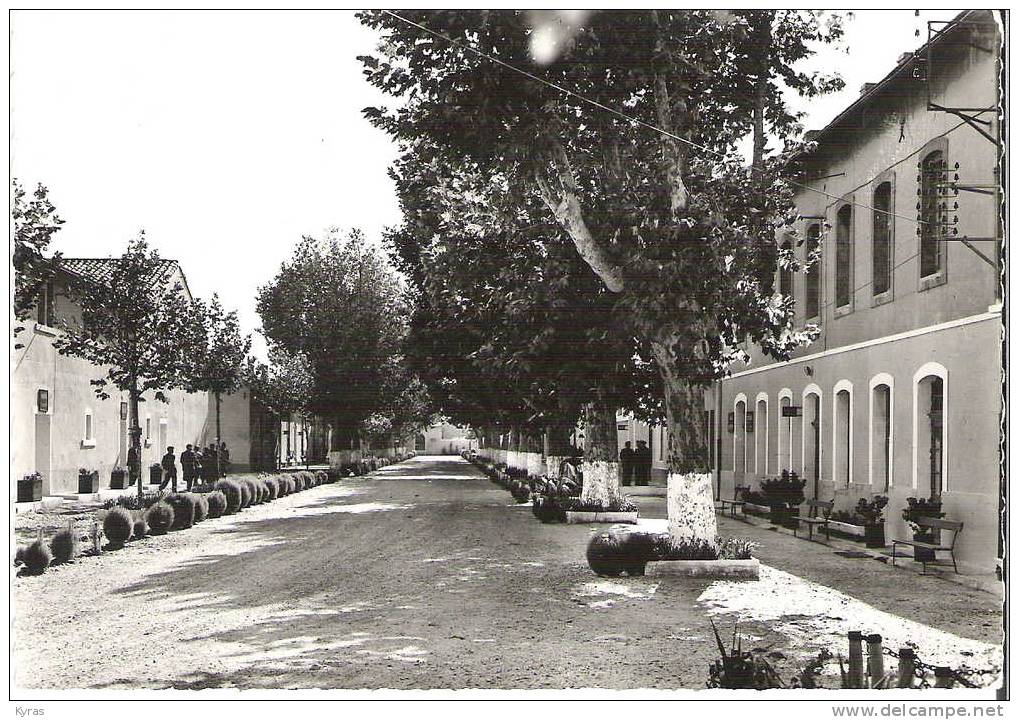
(866, 88)
(904, 57)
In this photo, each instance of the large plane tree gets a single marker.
(665, 214)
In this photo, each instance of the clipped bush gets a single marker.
(272, 488)
(201, 507)
(231, 491)
(118, 526)
(19, 555)
(159, 518)
(37, 557)
(263, 490)
(245, 494)
(613, 552)
(281, 486)
(140, 530)
(323, 477)
(64, 545)
(183, 505)
(217, 503)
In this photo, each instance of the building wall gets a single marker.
(443, 439)
(185, 418)
(949, 324)
(971, 414)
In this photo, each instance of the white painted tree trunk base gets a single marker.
(691, 508)
(601, 483)
(535, 464)
(552, 463)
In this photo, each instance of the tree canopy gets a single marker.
(341, 303)
(664, 214)
(35, 223)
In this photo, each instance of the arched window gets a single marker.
(785, 275)
(930, 429)
(881, 431)
(785, 432)
(932, 173)
(739, 437)
(813, 296)
(844, 256)
(811, 443)
(761, 435)
(842, 434)
(881, 249)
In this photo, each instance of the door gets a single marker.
(162, 439)
(937, 436)
(42, 451)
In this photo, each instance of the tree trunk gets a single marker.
(691, 504)
(558, 449)
(136, 436)
(219, 440)
(601, 455)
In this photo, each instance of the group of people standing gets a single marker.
(206, 464)
(635, 464)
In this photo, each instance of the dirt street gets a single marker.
(424, 575)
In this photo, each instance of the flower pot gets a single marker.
(118, 480)
(923, 554)
(155, 475)
(88, 484)
(30, 489)
(874, 535)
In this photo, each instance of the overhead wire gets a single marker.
(636, 121)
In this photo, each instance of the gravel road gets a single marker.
(423, 575)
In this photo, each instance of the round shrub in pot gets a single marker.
(37, 557)
(232, 494)
(183, 505)
(64, 545)
(217, 503)
(118, 526)
(159, 518)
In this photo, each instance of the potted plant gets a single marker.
(30, 488)
(782, 495)
(88, 481)
(118, 478)
(922, 508)
(871, 514)
(155, 474)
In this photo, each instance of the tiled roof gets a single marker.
(99, 270)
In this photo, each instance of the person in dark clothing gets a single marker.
(199, 471)
(224, 460)
(169, 470)
(626, 457)
(187, 466)
(210, 463)
(134, 465)
(642, 463)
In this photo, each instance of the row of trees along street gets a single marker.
(571, 262)
(335, 318)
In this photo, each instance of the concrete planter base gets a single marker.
(579, 517)
(763, 509)
(855, 530)
(710, 569)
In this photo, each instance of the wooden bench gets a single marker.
(732, 505)
(933, 524)
(812, 518)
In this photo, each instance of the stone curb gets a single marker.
(709, 569)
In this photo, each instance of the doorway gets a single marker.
(931, 436)
(812, 441)
(42, 451)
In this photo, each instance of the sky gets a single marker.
(227, 135)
